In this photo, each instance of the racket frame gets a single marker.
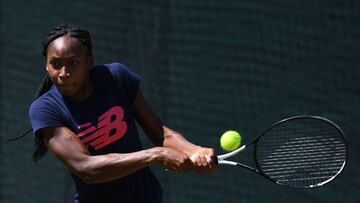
(221, 159)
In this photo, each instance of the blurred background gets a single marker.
(207, 66)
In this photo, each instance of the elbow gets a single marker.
(87, 178)
(168, 133)
(86, 173)
(167, 139)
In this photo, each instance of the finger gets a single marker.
(208, 158)
(204, 162)
(209, 161)
(209, 166)
(201, 164)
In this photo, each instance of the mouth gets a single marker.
(66, 88)
(65, 83)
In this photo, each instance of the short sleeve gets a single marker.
(43, 115)
(126, 79)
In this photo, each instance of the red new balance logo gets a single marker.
(110, 128)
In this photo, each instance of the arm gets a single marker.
(161, 135)
(103, 168)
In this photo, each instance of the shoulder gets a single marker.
(125, 79)
(44, 99)
(119, 72)
(115, 66)
(116, 69)
(46, 111)
(46, 102)
(109, 66)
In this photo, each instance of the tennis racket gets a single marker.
(297, 152)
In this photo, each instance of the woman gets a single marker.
(85, 114)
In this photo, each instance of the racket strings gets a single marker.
(301, 153)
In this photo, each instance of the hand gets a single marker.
(204, 160)
(176, 161)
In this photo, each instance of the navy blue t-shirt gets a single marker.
(105, 124)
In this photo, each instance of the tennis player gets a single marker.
(85, 115)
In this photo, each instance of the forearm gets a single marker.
(175, 140)
(104, 168)
(201, 158)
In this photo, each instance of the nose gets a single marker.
(64, 72)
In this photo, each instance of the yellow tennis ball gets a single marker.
(230, 140)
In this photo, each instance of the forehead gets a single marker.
(65, 46)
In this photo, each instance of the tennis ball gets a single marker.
(230, 140)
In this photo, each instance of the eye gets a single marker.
(56, 64)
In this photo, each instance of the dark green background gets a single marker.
(207, 66)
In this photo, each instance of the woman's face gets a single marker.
(67, 63)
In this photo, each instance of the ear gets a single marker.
(47, 69)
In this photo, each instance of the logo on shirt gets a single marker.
(110, 128)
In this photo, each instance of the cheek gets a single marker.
(53, 76)
(78, 75)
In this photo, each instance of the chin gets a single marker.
(67, 91)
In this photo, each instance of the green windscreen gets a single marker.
(207, 67)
